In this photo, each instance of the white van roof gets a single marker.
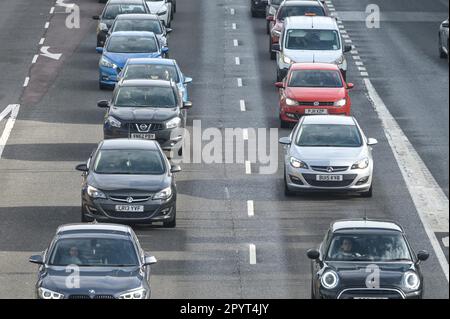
(307, 23)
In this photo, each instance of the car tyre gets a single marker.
(172, 223)
(369, 193)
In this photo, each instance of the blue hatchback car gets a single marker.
(156, 69)
(122, 46)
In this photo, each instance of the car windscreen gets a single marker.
(329, 135)
(132, 44)
(149, 25)
(113, 10)
(301, 39)
(151, 72)
(384, 247)
(94, 252)
(129, 162)
(293, 11)
(146, 96)
(315, 78)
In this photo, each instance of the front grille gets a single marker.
(311, 179)
(313, 103)
(125, 199)
(144, 127)
(326, 168)
(93, 297)
(371, 293)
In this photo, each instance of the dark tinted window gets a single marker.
(131, 162)
(291, 11)
(132, 44)
(149, 25)
(329, 135)
(315, 78)
(155, 96)
(152, 72)
(113, 10)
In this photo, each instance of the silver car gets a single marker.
(328, 153)
(443, 40)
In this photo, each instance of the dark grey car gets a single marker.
(129, 181)
(93, 261)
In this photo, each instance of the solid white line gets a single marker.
(239, 82)
(52, 10)
(47, 24)
(235, 42)
(35, 59)
(234, 26)
(245, 134)
(25, 83)
(242, 104)
(14, 108)
(252, 251)
(251, 208)
(42, 41)
(237, 60)
(430, 201)
(248, 167)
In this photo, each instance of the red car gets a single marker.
(313, 88)
(290, 9)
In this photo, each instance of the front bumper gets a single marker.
(369, 293)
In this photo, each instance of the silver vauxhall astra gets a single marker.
(328, 152)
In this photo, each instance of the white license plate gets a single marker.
(329, 178)
(316, 111)
(130, 208)
(143, 136)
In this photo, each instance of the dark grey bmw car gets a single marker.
(129, 181)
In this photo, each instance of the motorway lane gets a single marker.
(207, 256)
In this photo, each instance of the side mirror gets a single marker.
(423, 255)
(103, 104)
(150, 260)
(36, 259)
(313, 254)
(165, 50)
(187, 105)
(175, 169)
(350, 86)
(279, 85)
(187, 80)
(347, 48)
(276, 47)
(99, 50)
(96, 17)
(169, 30)
(82, 168)
(372, 141)
(270, 18)
(285, 141)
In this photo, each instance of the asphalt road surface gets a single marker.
(219, 250)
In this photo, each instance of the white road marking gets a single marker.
(47, 24)
(27, 80)
(252, 251)
(430, 201)
(35, 59)
(52, 10)
(245, 134)
(235, 42)
(250, 208)
(234, 26)
(237, 60)
(248, 167)
(42, 41)
(356, 57)
(348, 41)
(232, 11)
(61, 3)
(239, 82)
(365, 74)
(362, 69)
(445, 241)
(354, 52)
(54, 56)
(14, 110)
(359, 63)
(242, 104)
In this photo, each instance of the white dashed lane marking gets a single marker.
(250, 208)
(252, 252)
(242, 105)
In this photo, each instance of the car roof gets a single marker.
(133, 33)
(315, 22)
(113, 229)
(161, 83)
(314, 66)
(364, 224)
(294, 3)
(125, 1)
(151, 61)
(124, 143)
(137, 16)
(329, 119)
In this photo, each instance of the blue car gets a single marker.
(156, 69)
(122, 46)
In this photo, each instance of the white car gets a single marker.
(306, 39)
(162, 8)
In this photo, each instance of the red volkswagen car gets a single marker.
(313, 88)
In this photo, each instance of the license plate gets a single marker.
(329, 178)
(316, 111)
(143, 136)
(130, 208)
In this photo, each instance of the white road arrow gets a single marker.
(54, 56)
(14, 110)
(61, 3)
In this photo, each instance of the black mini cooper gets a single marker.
(366, 259)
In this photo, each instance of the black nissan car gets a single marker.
(93, 261)
(146, 109)
(112, 9)
(366, 259)
(129, 181)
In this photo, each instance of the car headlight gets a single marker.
(287, 60)
(173, 123)
(411, 280)
(341, 103)
(107, 64)
(362, 164)
(94, 192)
(329, 279)
(296, 163)
(140, 293)
(113, 121)
(166, 193)
(102, 26)
(340, 60)
(48, 294)
(291, 102)
(276, 33)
